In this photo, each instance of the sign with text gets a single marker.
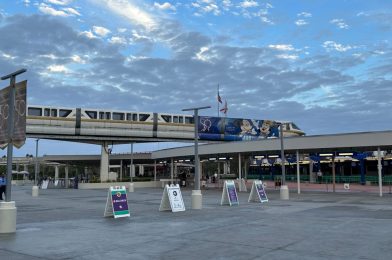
(257, 192)
(117, 202)
(172, 199)
(229, 194)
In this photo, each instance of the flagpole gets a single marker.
(217, 98)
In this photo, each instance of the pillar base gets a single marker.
(35, 191)
(284, 192)
(131, 187)
(7, 217)
(197, 199)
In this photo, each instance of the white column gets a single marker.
(298, 174)
(379, 167)
(175, 170)
(155, 170)
(172, 170)
(239, 172)
(104, 171)
(121, 170)
(225, 167)
(56, 172)
(141, 170)
(66, 177)
(218, 167)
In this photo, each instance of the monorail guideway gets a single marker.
(104, 127)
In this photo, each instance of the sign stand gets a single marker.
(243, 185)
(257, 192)
(172, 199)
(117, 203)
(229, 194)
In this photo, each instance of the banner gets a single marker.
(236, 129)
(18, 137)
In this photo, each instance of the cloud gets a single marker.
(117, 40)
(304, 14)
(301, 22)
(132, 13)
(64, 12)
(331, 45)
(101, 31)
(281, 47)
(164, 6)
(249, 4)
(59, 2)
(339, 23)
(58, 69)
(206, 6)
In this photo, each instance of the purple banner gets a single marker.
(261, 192)
(232, 192)
(120, 202)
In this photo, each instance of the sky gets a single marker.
(324, 64)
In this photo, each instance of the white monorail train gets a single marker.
(101, 122)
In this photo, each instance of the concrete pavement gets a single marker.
(69, 224)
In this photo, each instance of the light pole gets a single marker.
(284, 190)
(196, 193)
(36, 161)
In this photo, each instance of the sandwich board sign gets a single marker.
(172, 199)
(257, 192)
(117, 202)
(229, 194)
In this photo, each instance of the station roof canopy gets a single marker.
(350, 142)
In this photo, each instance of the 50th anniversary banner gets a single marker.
(18, 135)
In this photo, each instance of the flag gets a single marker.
(224, 109)
(219, 97)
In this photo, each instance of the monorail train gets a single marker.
(101, 122)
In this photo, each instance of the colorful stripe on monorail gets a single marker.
(236, 129)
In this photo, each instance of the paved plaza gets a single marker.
(69, 224)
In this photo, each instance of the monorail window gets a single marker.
(46, 112)
(53, 112)
(188, 120)
(143, 117)
(64, 112)
(175, 119)
(129, 117)
(35, 111)
(295, 126)
(181, 119)
(92, 114)
(134, 117)
(118, 116)
(104, 115)
(167, 118)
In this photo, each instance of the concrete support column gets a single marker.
(56, 172)
(175, 170)
(141, 170)
(298, 174)
(225, 167)
(172, 170)
(155, 170)
(104, 170)
(246, 164)
(25, 167)
(239, 172)
(379, 168)
(121, 170)
(66, 177)
(333, 173)
(218, 167)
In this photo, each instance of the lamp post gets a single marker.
(36, 162)
(7, 208)
(196, 193)
(284, 190)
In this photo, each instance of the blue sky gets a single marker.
(325, 65)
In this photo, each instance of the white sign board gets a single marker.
(257, 192)
(117, 203)
(172, 199)
(229, 194)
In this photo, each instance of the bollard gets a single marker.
(197, 199)
(131, 187)
(7, 217)
(34, 191)
(284, 192)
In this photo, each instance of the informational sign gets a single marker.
(257, 192)
(117, 203)
(346, 186)
(229, 194)
(19, 134)
(44, 185)
(172, 199)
